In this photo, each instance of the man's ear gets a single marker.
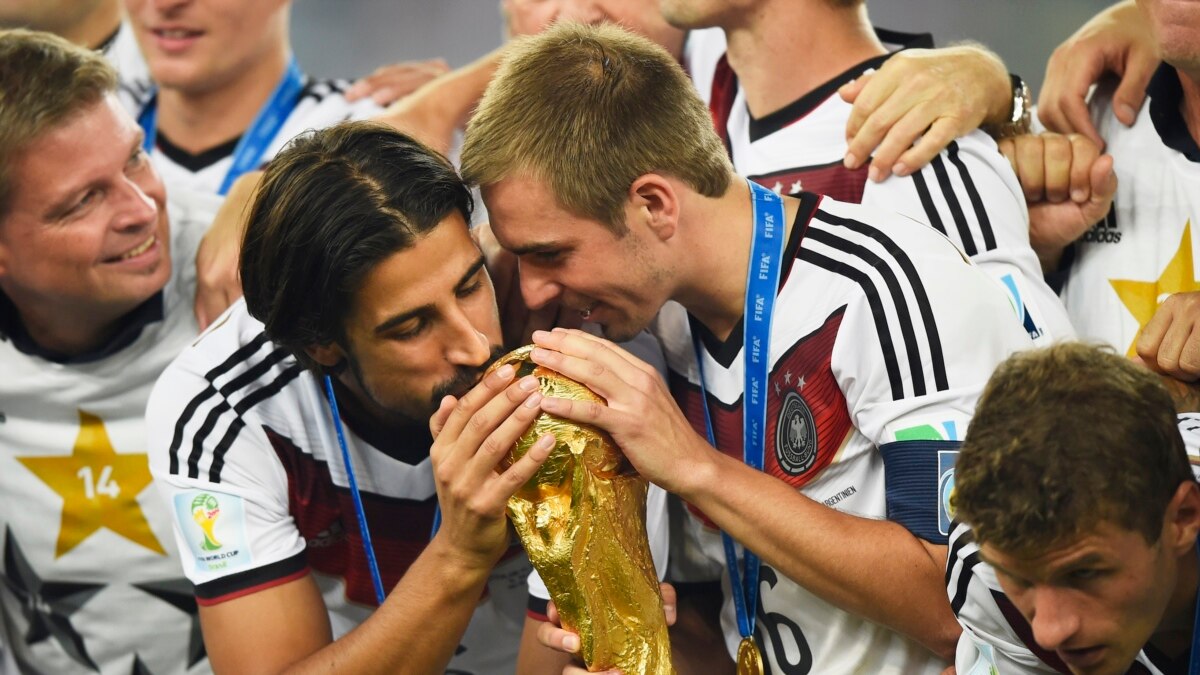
(1183, 517)
(654, 202)
(328, 355)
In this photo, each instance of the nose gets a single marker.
(537, 289)
(134, 209)
(168, 6)
(1054, 618)
(466, 345)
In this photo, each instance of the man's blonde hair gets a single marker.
(44, 79)
(587, 110)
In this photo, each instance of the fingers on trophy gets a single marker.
(582, 520)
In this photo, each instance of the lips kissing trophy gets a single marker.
(582, 520)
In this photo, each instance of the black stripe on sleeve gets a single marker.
(936, 355)
(247, 378)
(956, 212)
(893, 284)
(239, 356)
(881, 323)
(985, 224)
(965, 574)
(958, 543)
(931, 212)
(244, 583)
(218, 462)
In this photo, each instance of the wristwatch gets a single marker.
(1021, 120)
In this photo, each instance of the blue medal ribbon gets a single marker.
(359, 512)
(250, 150)
(762, 285)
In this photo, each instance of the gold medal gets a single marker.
(749, 660)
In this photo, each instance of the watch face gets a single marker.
(1022, 100)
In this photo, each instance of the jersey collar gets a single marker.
(129, 328)
(1166, 99)
(724, 352)
(894, 41)
(405, 443)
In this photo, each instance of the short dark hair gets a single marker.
(588, 109)
(1064, 438)
(331, 206)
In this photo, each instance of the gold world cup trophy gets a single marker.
(582, 520)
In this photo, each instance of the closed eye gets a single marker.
(418, 326)
(545, 257)
(86, 200)
(468, 291)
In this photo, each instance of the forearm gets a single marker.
(871, 568)
(453, 96)
(417, 628)
(465, 86)
(440, 107)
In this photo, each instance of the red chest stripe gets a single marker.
(807, 419)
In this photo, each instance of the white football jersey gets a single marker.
(968, 192)
(996, 639)
(322, 103)
(1145, 249)
(884, 335)
(133, 75)
(90, 578)
(194, 180)
(245, 454)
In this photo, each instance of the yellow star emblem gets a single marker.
(1142, 298)
(99, 488)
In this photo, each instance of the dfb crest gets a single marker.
(795, 435)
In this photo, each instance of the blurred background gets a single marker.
(349, 38)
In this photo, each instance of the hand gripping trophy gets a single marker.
(582, 520)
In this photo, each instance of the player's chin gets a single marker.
(135, 287)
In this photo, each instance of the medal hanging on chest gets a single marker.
(762, 286)
(749, 660)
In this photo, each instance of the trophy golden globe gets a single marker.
(582, 520)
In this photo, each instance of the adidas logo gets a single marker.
(1105, 231)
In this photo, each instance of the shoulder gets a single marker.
(967, 192)
(892, 262)
(969, 168)
(863, 233)
(231, 357)
(323, 102)
(908, 288)
(1189, 428)
(207, 414)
